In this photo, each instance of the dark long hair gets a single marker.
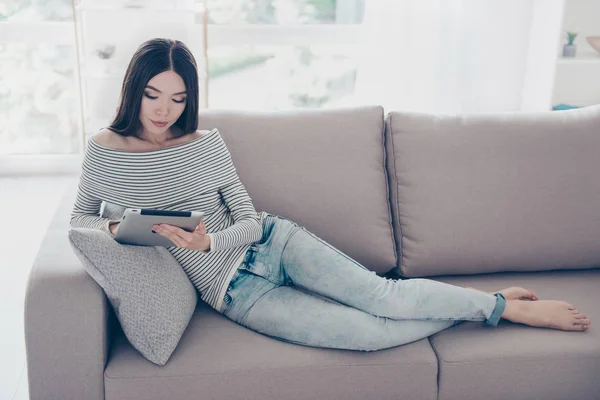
(150, 59)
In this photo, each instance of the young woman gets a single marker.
(263, 271)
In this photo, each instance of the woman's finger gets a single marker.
(201, 228)
(172, 234)
(178, 232)
(167, 234)
(176, 240)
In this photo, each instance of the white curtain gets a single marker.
(445, 55)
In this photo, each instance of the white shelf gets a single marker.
(587, 58)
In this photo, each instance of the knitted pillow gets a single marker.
(152, 296)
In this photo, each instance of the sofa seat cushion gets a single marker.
(218, 359)
(516, 361)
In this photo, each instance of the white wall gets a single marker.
(540, 69)
(459, 56)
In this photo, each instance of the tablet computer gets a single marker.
(136, 225)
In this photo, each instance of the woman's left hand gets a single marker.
(196, 240)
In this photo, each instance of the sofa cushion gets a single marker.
(324, 169)
(218, 359)
(495, 192)
(151, 295)
(516, 361)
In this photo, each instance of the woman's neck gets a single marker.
(160, 140)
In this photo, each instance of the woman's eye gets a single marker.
(179, 101)
(150, 97)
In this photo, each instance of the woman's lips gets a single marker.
(159, 124)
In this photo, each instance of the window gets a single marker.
(280, 77)
(281, 54)
(285, 11)
(262, 54)
(38, 92)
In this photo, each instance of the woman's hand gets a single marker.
(114, 227)
(196, 240)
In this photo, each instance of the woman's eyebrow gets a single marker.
(153, 88)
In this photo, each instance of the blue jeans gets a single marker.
(285, 287)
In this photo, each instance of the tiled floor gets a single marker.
(26, 207)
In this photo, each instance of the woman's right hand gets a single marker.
(114, 227)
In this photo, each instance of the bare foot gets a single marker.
(513, 293)
(546, 314)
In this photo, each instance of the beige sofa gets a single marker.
(488, 201)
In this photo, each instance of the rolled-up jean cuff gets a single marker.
(498, 310)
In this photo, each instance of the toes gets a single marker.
(582, 327)
(582, 321)
(578, 327)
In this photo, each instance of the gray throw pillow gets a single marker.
(151, 294)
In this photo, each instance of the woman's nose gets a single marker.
(162, 109)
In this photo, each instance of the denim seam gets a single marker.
(312, 293)
(281, 268)
(269, 276)
(243, 318)
(318, 295)
(337, 251)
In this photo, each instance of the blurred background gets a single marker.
(62, 61)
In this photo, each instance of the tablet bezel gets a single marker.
(136, 224)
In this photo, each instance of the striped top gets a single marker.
(197, 175)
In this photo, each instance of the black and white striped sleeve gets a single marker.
(86, 210)
(247, 227)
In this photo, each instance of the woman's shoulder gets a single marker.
(112, 140)
(107, 138)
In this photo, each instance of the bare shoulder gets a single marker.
(107, 138)
(112, 140)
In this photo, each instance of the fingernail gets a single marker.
(153, 231)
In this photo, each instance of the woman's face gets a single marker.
(163, 102)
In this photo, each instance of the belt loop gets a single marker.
(249, 255)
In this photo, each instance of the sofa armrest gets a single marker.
(68, 320)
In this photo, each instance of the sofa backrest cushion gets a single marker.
(323, 169)
(495, 192)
